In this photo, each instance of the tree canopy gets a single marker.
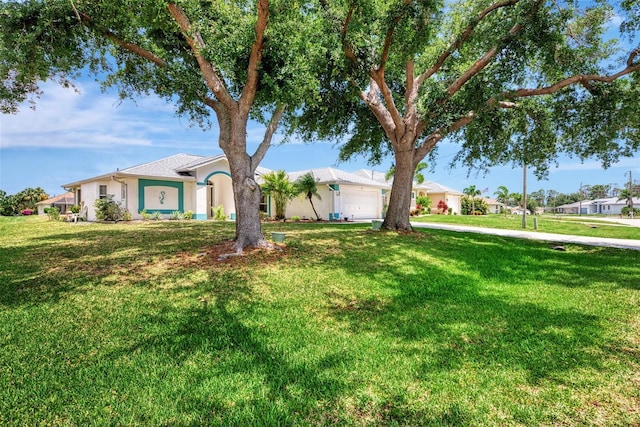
(508, 80)
(238, 60)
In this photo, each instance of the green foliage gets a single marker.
(188, 215)
(74, 209)
(108, 210)
(306, 337)
(626, 210)
(424, 202)
(306, 185)
(218, 213)
(53, 213)
(145, 215)
(295, 218)
(175, 215)
(473, 207)
(156, 216)
(277, 185)
(126, 215)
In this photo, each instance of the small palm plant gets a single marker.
(277, 185)
(306, 185)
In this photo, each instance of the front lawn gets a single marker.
(140, 324)
(573, 225)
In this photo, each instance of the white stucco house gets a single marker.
(185, 182)
(343, 195)
(182, 182)
(433, 190)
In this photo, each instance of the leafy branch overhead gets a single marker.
(511, 81)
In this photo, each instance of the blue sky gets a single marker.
(72, 136)
(75, 135)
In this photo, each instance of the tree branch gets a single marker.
(268, 136)
(133, 48)
(371, 99)
(213, 80)
(584, 80)
(389, 38)
(463, 37)
(479, 65)
(251, 84)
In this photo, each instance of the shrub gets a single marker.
(107, 209)
(188, 215)
(295, 218)
(145, 215)
(442, 207)
(175, 215)
(52, 213)
(218, 213)
(126, 215)
(625, 211)
(74, 209)
(156, 216)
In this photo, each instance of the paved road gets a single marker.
(534, 235)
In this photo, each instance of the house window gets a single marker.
(102, 192)
(123, 191)
(264, 204)
(79, 197)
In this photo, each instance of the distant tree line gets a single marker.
(23, 201)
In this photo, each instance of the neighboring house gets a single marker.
(494, 206)
(63, 202)
(343, 195)
(611, 206)
(185, 182)
(182, 182)
(582, 207)
(433, 190)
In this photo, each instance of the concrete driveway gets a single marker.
(534, 235)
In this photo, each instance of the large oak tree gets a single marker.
(239, 60)
(510, 80)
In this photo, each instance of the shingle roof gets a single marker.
(332, 175)
(428, 186)
(65, 199)
(165, 168)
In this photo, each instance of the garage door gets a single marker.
(360, 203)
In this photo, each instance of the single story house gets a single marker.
(63, 202)
(494, 206)
(582, 207)
(343, 195)
(433, 190)
(182, 182)
(611, 205)
(185, 182)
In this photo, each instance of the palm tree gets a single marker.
(628, 195)
(306, 185)
(277, 185)
(418, 176)
(472, 192)
(502, 195)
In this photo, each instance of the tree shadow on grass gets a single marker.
(266, 383)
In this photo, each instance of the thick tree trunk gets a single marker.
(397, 217)
(246, 191)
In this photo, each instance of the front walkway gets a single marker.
(534, 235)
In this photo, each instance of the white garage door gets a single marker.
(359, 203)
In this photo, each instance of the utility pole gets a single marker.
(524, 195)
(580, 201)
(630, 202)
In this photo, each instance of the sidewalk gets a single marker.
(534, 235)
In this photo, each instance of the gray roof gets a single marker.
(336, 176)
(428, 186)
(165, 168)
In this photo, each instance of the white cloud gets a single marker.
(66, 119)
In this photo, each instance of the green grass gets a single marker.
(578, 226)
(138, 324)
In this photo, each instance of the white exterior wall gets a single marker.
(219, 175)
(301, 207)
